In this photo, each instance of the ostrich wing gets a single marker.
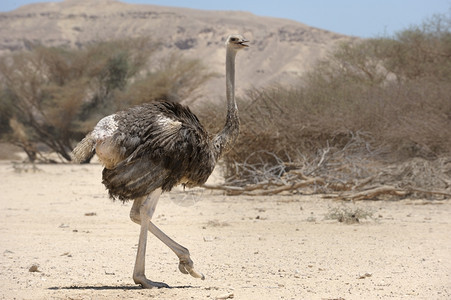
(144, 169)
(162, 145)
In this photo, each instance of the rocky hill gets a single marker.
(280, 49)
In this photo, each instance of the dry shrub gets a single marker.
(348, 215)
(369, 103)
(419, 172)
(283, 128)
(54, 96)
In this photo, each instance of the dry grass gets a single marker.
(348, 215)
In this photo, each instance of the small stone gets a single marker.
(34, 268)
(208, 239)
(225, 296)
(364, 276)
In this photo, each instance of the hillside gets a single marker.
(280, 49)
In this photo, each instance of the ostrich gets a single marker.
(149, 149)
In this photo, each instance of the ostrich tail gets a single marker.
(85, 150)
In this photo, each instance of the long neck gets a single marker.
(225, 139)
(230, 81)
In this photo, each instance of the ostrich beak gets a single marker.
(242, 43)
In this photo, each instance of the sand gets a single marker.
(62, 238)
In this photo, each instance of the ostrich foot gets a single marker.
(186, 266)
(148, 284)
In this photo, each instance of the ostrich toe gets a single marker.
(186, 267)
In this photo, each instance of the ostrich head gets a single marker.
(236, 42)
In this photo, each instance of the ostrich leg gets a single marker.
(146, 210)
(185, 264)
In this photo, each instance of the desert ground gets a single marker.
(61, 237)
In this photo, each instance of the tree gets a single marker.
(53, 95)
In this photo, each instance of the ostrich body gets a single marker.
(149, 149)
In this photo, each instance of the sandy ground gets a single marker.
(60, 220)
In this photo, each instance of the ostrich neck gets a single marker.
(230, 81)
(225, 139)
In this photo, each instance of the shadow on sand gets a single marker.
(118, 287)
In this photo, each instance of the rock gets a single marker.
(34, 268)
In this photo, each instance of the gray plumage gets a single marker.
(162, 144)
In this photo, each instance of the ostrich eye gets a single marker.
(233, 39)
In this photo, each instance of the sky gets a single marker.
(362, 18)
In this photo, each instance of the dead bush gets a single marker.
(370, 103)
